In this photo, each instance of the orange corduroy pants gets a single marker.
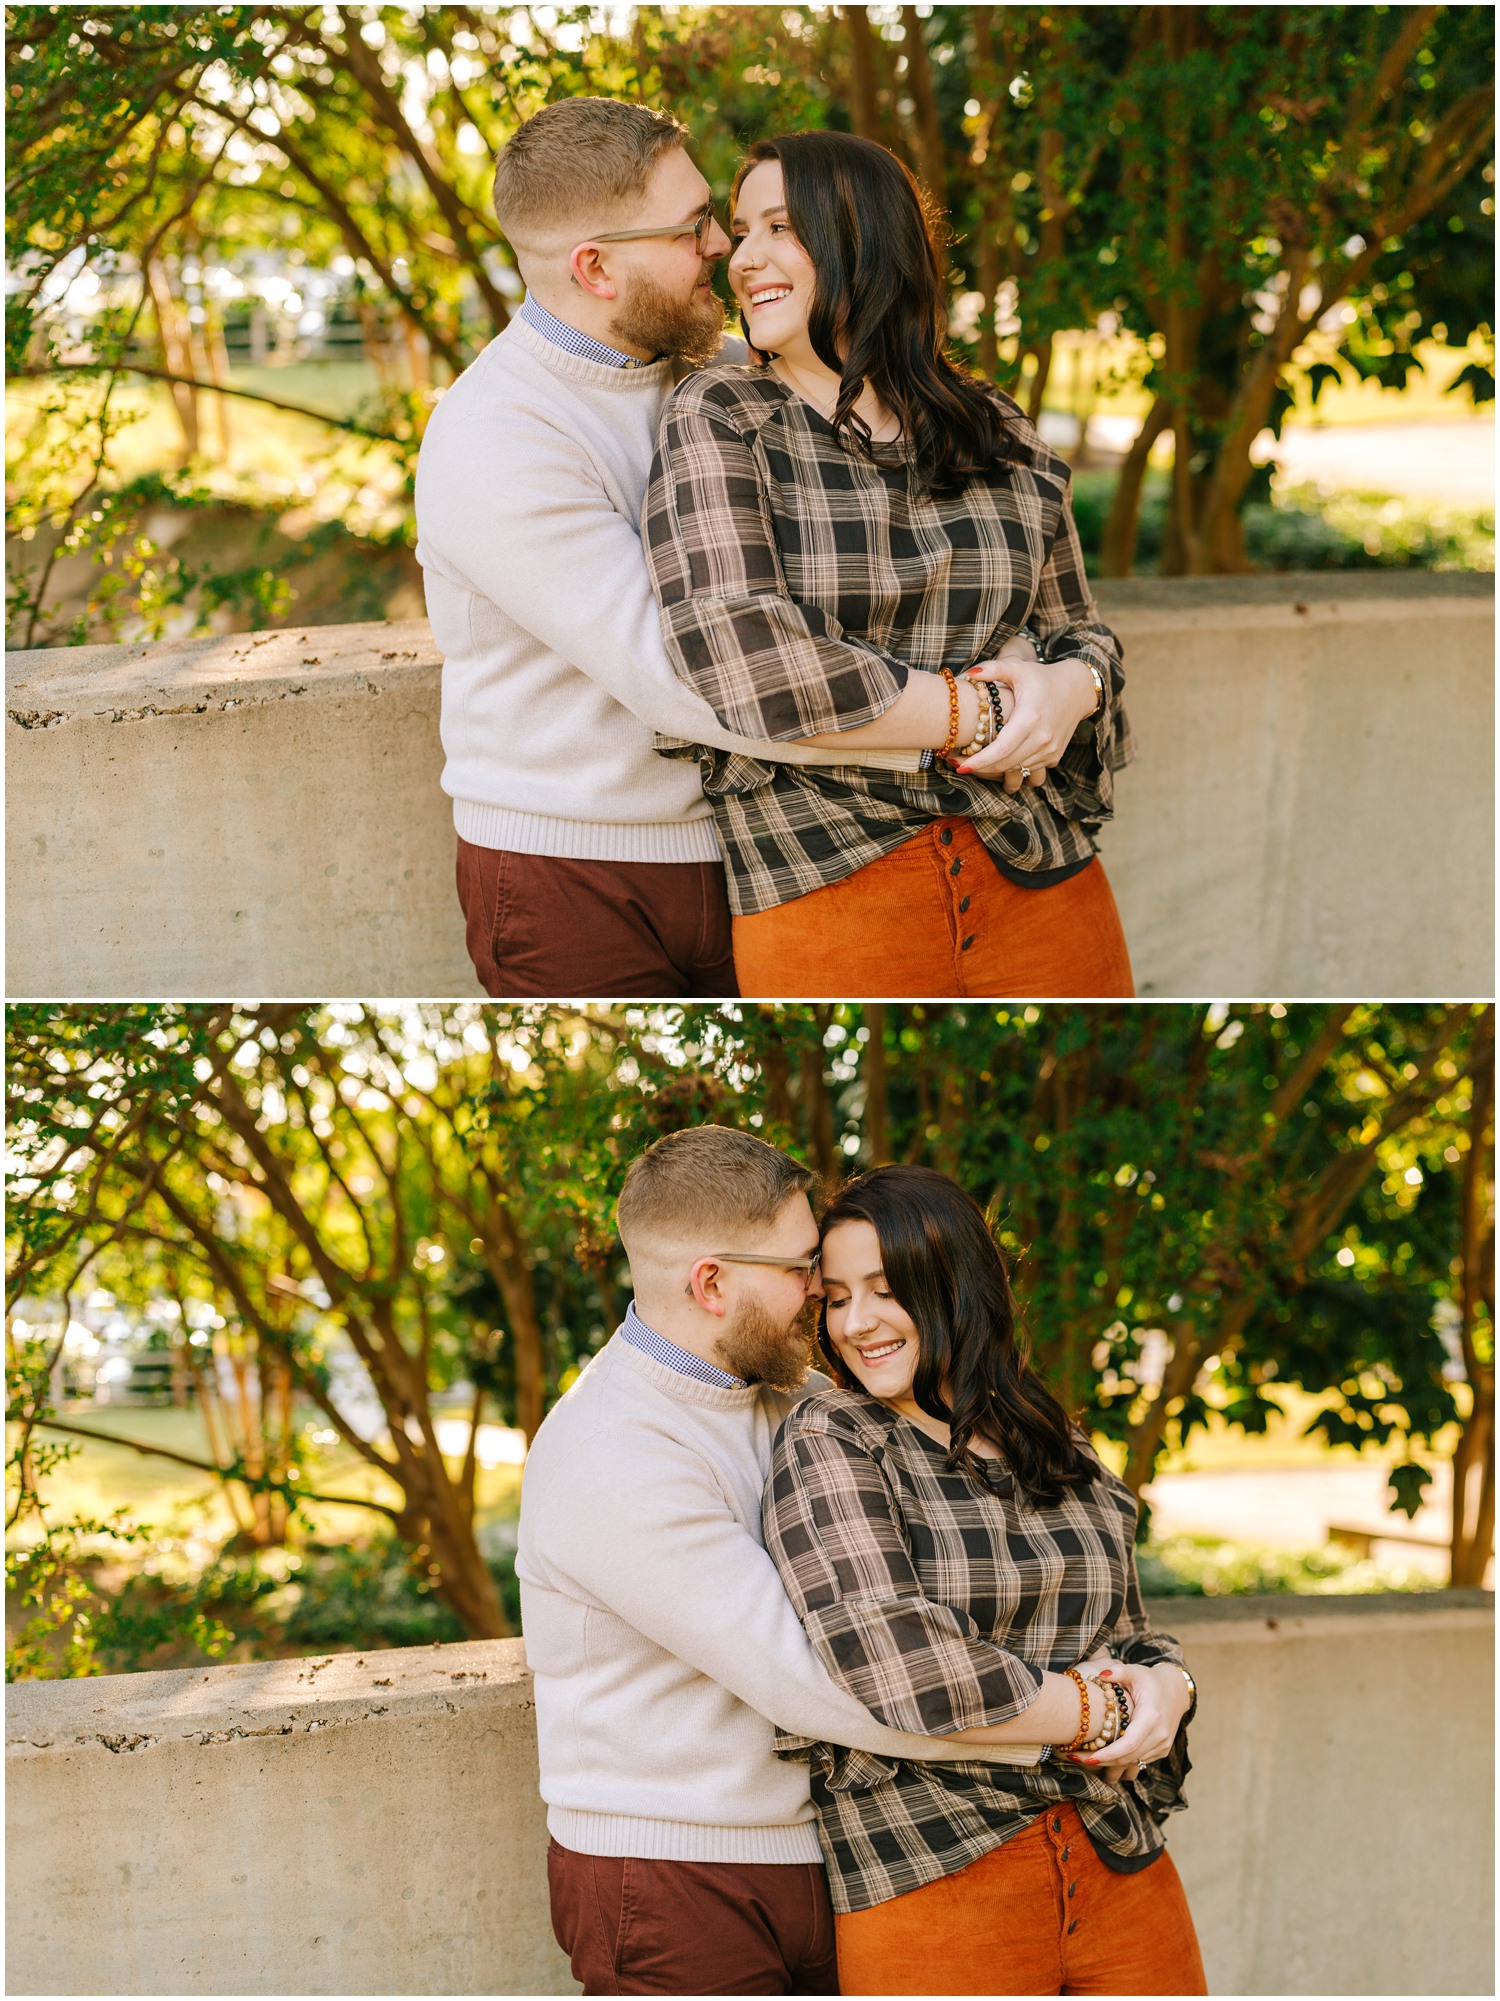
(1040, 1915)
(935, 918)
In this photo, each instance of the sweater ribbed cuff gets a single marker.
(681, 1840)
(588, 840)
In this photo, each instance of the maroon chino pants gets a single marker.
(631, 1926)
(547, 927)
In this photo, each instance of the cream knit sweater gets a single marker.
(662, 1644)
(529, 488)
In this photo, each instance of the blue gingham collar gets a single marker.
(572, 341)
(660, 1349)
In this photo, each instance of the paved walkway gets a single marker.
(1294, 1508)
(1452, 460)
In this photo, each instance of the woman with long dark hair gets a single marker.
(963, 1564)
(857, 544)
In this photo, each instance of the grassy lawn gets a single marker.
(175, 1499)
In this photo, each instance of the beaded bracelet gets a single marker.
(1086, 1712)
(982, 734)
(952, 737)
(1106, 1733)
(1114, 1720)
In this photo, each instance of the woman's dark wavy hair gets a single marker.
(863, 222)
(943, 1266)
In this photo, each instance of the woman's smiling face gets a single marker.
(872, 1333)
(770, 273)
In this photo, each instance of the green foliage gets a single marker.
(1202, 1205)
(1216, 180)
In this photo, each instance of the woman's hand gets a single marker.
(1160, 1698)
(1049, 699)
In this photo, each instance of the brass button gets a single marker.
(966, 944)
(945, 835)
(963, 903)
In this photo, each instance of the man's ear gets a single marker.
(586, 269)
(706, 1284)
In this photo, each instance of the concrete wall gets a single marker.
(1311, 813)
(369, 1824)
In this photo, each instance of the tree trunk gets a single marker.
(927, 126)
(1473, 1500)
(1038, 388)
(864, 108)
(877, 1092)
(1144, 1440)
(1118, 557)
(175, 353)
(817, 1109)
(218, 366)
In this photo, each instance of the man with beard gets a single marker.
(587, 864)
(684, 1856)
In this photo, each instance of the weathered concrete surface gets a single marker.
(369, 1824)
(1311, 813)
(1340, 1832)
(258, 812)
(363, 1824)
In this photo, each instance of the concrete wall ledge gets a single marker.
(369, 1823)
(261, 811)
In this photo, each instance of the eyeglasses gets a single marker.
(697, 228)
(807, 1266)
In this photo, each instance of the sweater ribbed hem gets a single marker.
(587, 840)
(681, 1840)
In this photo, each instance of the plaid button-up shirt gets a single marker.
(937, 1599)
(800, 583)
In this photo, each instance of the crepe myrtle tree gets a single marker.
(432, 1187)
(1203, 1204)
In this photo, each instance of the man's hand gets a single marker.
(1048, 700)
(1160, 1698)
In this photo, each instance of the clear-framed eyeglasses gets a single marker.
(808, 1267)
(696, 227)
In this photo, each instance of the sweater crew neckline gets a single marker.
(650, 377)
(682, 1389)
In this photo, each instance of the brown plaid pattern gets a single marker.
(937, 1598)
(800, 583)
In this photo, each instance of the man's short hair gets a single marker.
(577, 163)
(706, 1182)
